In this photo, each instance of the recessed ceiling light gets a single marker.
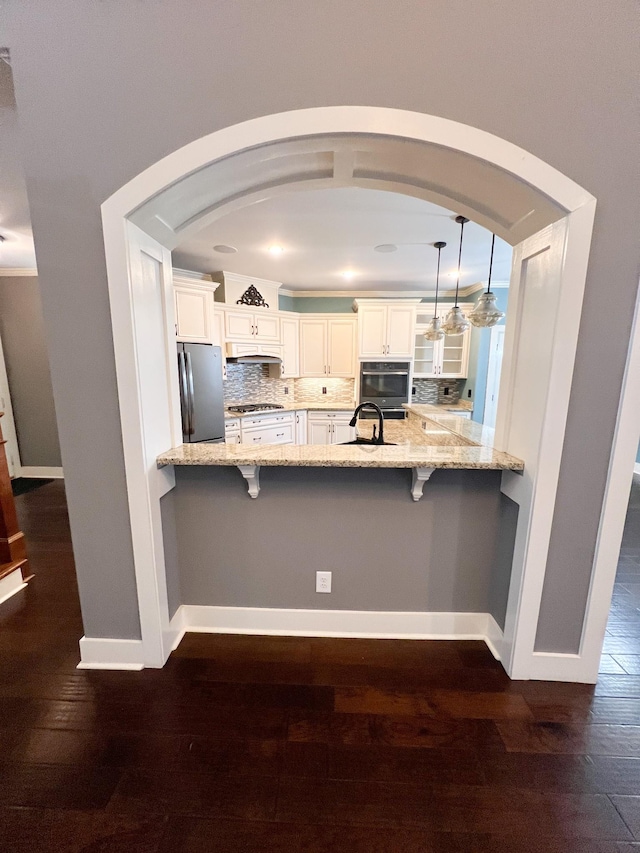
(275, 250)
(347, 274)
(386, 247)
(225, 250)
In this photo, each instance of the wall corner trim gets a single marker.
(17, 272)
(43, 472)
(101, 653)
(11, 584)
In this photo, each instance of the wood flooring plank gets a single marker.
(144, 792)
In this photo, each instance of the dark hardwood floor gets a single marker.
(255, 745)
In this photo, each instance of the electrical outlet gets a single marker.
(323, 581)
(446, 391)
(286, 389)
(324, 389)
(469, 392)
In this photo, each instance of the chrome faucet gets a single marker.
(380, 438)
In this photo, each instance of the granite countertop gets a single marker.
(440, 446)
(474, 432)
(439, 408)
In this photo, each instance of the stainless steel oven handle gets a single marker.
(385, 372)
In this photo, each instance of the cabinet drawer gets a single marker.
(267, 420)
(232, 425)
(281, 434)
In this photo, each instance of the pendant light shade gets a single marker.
(433, 332)
(486, 313)
(456, 322)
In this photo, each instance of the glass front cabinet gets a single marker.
(445, 359)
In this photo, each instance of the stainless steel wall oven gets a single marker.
(385, 383)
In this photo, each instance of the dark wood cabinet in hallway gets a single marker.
(258, 744)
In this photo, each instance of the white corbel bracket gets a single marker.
(251, 473)
(420, 477)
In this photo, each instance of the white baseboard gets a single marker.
(99, 653)
(342, 623)
(636, 468)
(11, 584)
(176, 629)
(41, 472)
(494, 638)
(557, 666)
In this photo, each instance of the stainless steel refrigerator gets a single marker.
(201, 394)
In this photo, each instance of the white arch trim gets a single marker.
(386, 121)
(145, 488)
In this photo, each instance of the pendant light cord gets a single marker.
(462, 221)
(493, 242)
(435, 307)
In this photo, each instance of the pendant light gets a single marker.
(433, 332)
(486, 313)
(456, 322)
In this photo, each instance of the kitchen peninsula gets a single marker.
(424, 442)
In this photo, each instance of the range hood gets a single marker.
(258, 358)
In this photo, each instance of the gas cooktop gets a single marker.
(253, 407)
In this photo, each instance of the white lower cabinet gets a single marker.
(232, 431)
(329, 428)
(301, 427)
(269, 429)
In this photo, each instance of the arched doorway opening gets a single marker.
(545, 216)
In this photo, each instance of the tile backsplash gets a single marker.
(251, 383)
(433, 391)
(338, 390)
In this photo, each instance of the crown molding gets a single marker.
(191, 275)
(389, 294)
(7, 272)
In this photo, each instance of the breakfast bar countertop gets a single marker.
(445, 441)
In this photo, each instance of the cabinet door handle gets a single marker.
(279, 434)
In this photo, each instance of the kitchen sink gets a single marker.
(369, 442)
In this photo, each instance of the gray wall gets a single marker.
(27, 361)
(386, 551)
(104, 90)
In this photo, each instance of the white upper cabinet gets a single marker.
(401, 323)
(341, 340)
(372, 331)
(327, 346)
(290, 329)
(193, 296)
(243, 324)
(445, 359)
(313, 347)
(386, 329)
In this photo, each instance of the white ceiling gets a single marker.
(326, 231)
(17, 250)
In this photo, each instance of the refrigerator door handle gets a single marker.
(191, 396)
(184, 402)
